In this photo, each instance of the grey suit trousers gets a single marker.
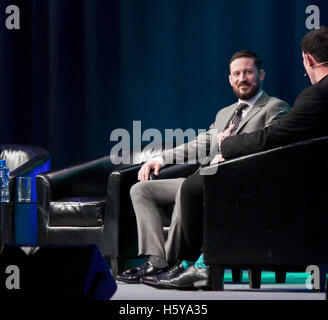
(147, 199)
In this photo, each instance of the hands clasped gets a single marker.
(226, 133)
(221, 136)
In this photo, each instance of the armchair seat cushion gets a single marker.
(77, 212)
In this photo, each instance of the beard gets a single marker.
(249, 95)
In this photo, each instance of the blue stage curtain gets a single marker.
(78, 69)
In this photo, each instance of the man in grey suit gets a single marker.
(253, 111)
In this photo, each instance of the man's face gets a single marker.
(245, 78)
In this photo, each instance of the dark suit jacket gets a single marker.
(307, 119)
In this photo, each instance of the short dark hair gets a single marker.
(247, 54)
(315, 43)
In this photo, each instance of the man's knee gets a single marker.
(185, 190)
(138, 190)
(192, 186)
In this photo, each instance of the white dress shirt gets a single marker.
(251, 102)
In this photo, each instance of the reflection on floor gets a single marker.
(293, 289)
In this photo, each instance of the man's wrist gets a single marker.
(160, 160)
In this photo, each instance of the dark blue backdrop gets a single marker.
(78, 69)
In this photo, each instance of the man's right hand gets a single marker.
(144, 172)
(227, 133)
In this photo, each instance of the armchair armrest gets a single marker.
(89, 178)
(39, 158)
(176, 171)
(120, 219)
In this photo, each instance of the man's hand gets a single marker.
(144, 172)
(226, 133)
(217, 159)
(221, 159)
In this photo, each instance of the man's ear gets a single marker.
(230, 80)
(309, 59)
(262, 74)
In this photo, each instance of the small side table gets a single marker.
(25, 223)
(6, 223)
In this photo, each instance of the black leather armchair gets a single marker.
(90, 203)
(267, 211)
(22, 160)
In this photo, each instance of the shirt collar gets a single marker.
(251, 101)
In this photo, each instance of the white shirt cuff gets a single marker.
(160, 160)
(216, 158)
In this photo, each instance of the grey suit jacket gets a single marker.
(266, 111)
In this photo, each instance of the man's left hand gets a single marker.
(218, 159)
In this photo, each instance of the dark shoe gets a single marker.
(157, 280)
(191, 279)
(133, 275)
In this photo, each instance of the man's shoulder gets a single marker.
(264, 100)
(276, 102)
(275, 99)
(228, 108)
(320, 88)
(314, 92)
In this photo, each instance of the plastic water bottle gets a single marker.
(4, 182)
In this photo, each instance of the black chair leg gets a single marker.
(117, 265)
(280, 276)
(254, 276)
(217, 277)
(237, 274)
(323, 277)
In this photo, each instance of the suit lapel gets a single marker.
(226, 117)
(256, 108)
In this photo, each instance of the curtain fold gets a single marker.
(78, 69)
